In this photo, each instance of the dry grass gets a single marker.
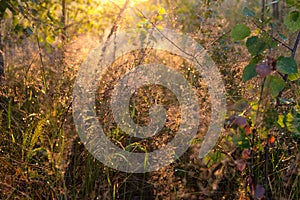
(42, 158)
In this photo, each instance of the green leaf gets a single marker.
(294, 77)
(274, 84)
(18, 28)
(292, 3)
(289, 121)
(256, 59)
(292, 20)
(281, 121)
(249, 72)
(283, 37)
(240, 31)
(286, 65)
(255, 45)
(248, 12)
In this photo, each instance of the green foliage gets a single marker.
(286, 65)
(279, 75)
(274, 84)
(256, 45)
(248, 12)
(294, 77)
(43, 20)
(293, 3)
(291, 120)
(30, 138)
(271, 120)
(292, 21)
(240, 31)
(241, 140)
(249, 72)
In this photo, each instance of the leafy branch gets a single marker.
(275, 73)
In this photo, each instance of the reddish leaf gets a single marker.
(271, 141)
(251, 185)
(240, 121)
(263, 70)
(259, 191)
(246, 154)
(249, 182)
(248, 130)
(241, 164)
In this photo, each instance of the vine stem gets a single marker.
(254, 132)
(296, 45)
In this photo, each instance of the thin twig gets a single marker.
(64, 117)
(42, 62)
(296, 45)
(262, 11)
(173, 43)
(113, 29)
(274, 38)
(13, 119)
(254, 132)
(257, 120)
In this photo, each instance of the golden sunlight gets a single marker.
(123, 1)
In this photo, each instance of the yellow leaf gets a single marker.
(159, 27)
(161, 11)
(159, 17)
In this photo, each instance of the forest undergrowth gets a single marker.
(257, 155)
